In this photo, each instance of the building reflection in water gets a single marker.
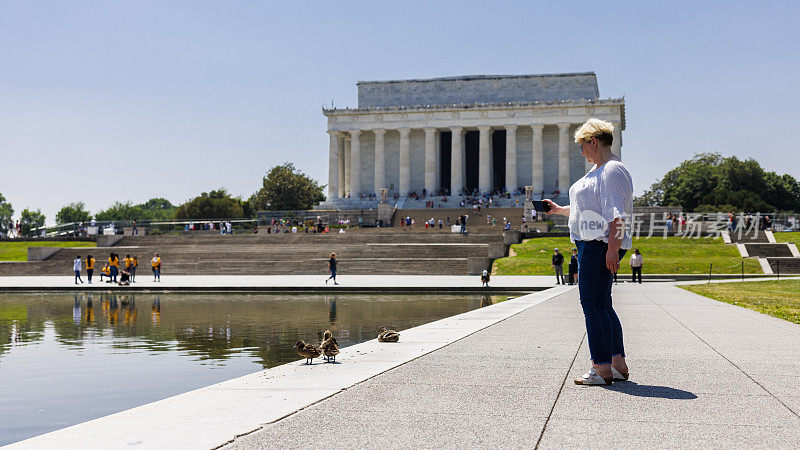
(217, 327)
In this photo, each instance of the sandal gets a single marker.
(592, 378)
(619, 376)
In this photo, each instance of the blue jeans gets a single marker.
(594, 284)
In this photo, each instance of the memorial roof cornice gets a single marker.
(474, 106)
(481, 77)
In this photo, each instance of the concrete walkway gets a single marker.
(286, 283)
(703, 374)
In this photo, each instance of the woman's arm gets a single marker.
(615, 230)
(556, 209)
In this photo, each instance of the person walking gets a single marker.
(76, 266)
(573, 267)
(113, 263)
(156, 263)
(600, 203)
(332, 263)
(636, 265)
(557, 263)
(89, 268)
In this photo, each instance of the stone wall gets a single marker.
(478, 89)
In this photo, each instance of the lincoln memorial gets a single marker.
(470, 133)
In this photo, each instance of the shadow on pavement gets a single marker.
(645, 390)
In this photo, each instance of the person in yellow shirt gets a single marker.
(89, 267)
(105, 271)
(156, 263)
(113, 262)
(134, 266)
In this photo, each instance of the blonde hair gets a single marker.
(595, 128)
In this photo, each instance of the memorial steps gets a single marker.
(775, 257)
(360, 251)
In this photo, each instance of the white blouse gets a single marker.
(599, 197)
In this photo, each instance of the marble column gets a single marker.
(456, 156)
(616, 145)
(537, 180)
(347, 170)
(333, 165)
(380, 160)
(355, 163)
(484, 159)
(511, 158)
(430, 160)
(405, 163)
(341, 186)
(563, 158)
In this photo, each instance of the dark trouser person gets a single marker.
(333, 275)
(603, 327)
(156, 274)
(89, 273)
(573, 271)
(113, 275)
(78, 276)
(634, 271)
(133, 274)
(559, 274)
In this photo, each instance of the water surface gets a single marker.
(68, 358)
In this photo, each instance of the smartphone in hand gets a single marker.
(541, 206)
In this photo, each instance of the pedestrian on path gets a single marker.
(332, 263)
(573, 267)
(156, 263)
(485, 278)
(76, 266)
(599, 204)
(636, 266)
(558, 265)
(89, 268)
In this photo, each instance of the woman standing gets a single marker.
(89, 267)
(600, 203)
(156, 263)
(113, 263)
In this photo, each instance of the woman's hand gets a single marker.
(555, 208)
(612, 260)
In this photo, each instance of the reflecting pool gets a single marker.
(68, 358)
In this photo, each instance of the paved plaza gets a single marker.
(703, 374)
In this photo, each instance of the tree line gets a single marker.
(283, 188)
(709, 182)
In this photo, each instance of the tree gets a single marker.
(6, 212)
(29, 220)
(285, 188)
(218, 204)
(120, 211)
(153, 209)
(709, 182)
(74, 212)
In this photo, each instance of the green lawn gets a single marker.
(780, 298)
(18, 251)
(670, 255)
(787, 236)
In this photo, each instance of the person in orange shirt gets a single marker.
(113, 262)
(134, 266)
(156, 263)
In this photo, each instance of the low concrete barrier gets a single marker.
(128, 231)
(498, 250)
(512, 237)
(108, 240)
(476, 265)
(41, 253)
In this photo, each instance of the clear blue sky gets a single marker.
(128, 100)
